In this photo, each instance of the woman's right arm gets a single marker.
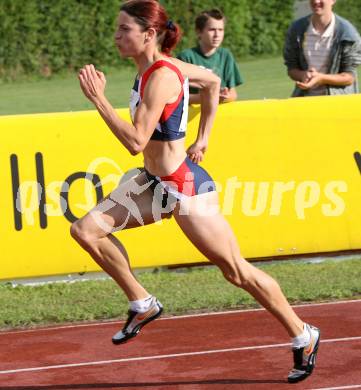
(133, 136)
(209, 86)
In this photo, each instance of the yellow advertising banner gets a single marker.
(288, 173)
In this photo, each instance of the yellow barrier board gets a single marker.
(288, 174)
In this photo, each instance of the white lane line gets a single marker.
(339, 388)
(174, 355)
(103, 323)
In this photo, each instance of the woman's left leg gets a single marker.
(213, 237)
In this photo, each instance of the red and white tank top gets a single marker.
(172, 123)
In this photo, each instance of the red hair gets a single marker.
(150, 14)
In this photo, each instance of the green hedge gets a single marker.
(46, 36)
(269, 23)
(351, 10)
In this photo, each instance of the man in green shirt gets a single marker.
(208, 54)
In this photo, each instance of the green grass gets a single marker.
(264, 78)
(182, 291)
(60, 94)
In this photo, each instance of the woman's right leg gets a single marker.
(130, 205)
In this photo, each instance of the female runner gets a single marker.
(172, 182)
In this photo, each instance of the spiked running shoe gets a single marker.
(136, 321)
(305, 358)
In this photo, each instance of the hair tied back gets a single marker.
(170, 25)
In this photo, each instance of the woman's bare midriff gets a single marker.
(161, 158)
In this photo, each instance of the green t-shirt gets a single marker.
(221, 63)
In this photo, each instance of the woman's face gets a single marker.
(213, 33)
(129, 36)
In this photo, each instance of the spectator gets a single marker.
(322, 52)
(209, 27)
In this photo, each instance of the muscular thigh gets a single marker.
(130, 205)
(204, 225)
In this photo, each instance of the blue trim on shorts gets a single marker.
(202, 180)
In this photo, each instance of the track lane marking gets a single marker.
(156, 357)
(339, 388)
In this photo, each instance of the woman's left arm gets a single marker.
(209, 87)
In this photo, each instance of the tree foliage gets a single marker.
(46, 37)
(351, 10)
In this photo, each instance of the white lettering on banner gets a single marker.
(307, 196)
(249, 199)
(256, 196)
(279, 189)
(338, 202)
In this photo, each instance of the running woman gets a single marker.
(172, 182)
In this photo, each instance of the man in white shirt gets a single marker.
(322, 52)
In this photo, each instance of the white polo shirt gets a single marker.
(317, 48)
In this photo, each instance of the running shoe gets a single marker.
(136, 321)
(305, 358)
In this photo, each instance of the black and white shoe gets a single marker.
(305, 358)
(136, 321)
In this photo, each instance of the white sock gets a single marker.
(141, 305)
(303, 339)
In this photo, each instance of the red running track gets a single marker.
(232, 350)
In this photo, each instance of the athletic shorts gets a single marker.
(188, 180)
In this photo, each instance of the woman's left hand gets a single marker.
(196, 152)
(92, 82)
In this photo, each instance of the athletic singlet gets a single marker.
(173, 121)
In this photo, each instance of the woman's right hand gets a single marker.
(92, 82)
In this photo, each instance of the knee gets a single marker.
(253, 279)
(234, 273)
(244, 275)
(81, 234)
(239, 280)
